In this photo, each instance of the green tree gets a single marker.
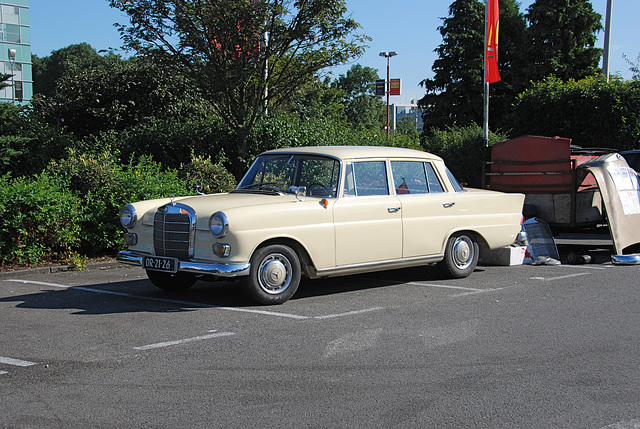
(71, 60)
(633, 66)
(408, 126)
(317, 99)
(455, 93)
(247, 57)
(3, 80)
(562, 36)
(362, 108)
(116, 97)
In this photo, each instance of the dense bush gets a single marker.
(462, 149)
(103, 184)
(592, 112)
(279, 130)
(210, 178)
(172, 142)
(38, 218)
(27, 145)
(73, 206)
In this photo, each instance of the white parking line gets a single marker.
(470, 290)
(183, 341)
(16, 362)
(166, 300)
(3, 372)
(550, 279)
(589, 267)
(348, 313)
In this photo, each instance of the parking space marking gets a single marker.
(16, 362)
(165, 300)
(184, 341)
(348, 313)
(3, 372)
(470, 290)
(550, 279)
(465, 291)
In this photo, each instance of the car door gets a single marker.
(367, 219)
(428, 211)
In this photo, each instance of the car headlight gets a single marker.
(128, 216)
(218, 224)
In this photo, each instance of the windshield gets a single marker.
(282, 173)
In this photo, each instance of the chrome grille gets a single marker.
(173, 231)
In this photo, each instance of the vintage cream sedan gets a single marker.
(317, 212)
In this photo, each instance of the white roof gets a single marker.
(359, 152)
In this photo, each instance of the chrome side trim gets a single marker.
(221, 270)
(377, 266)
(626, 259)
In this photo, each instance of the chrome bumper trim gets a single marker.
(221, 270)
(626, 259)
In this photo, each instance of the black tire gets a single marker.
(171, 282)
(460, 256)
(274, 275)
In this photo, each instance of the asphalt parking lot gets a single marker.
(524, 346)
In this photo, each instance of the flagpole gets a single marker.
(485, 127)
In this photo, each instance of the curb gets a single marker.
(50, 269)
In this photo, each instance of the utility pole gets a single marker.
(607, 40)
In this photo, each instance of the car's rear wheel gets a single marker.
(460, 256)
(172, 282)
(274, 275)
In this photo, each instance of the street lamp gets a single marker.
(388, 55)
(12, 59)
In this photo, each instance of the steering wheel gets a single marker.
(316, 185)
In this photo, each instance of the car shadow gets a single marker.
(358, 282)
(131, 296)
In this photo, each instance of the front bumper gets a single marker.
(220, 270)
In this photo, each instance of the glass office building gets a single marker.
(15, 51)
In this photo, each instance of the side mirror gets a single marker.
(301, 192)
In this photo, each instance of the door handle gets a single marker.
(447, 205)
(393, 209)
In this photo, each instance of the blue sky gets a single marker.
(406, 26)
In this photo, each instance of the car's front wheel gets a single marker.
(460, 256)
(171, 282)
(274, 275)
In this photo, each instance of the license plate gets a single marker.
(156, 263)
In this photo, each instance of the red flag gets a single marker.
(493, 25)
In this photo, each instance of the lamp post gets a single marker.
(388, 55)
(12, 59)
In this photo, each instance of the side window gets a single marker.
(369, 178)
(349, 183)
(456, 185)
(409, 177)
(320, 176)
(432, 177)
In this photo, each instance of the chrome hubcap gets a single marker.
(274, 274)
(463, 252)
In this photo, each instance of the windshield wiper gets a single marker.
(262, 186)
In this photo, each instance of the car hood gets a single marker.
(228, 201)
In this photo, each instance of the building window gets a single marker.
(18, 88)
(11, 33)
(11, 14)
